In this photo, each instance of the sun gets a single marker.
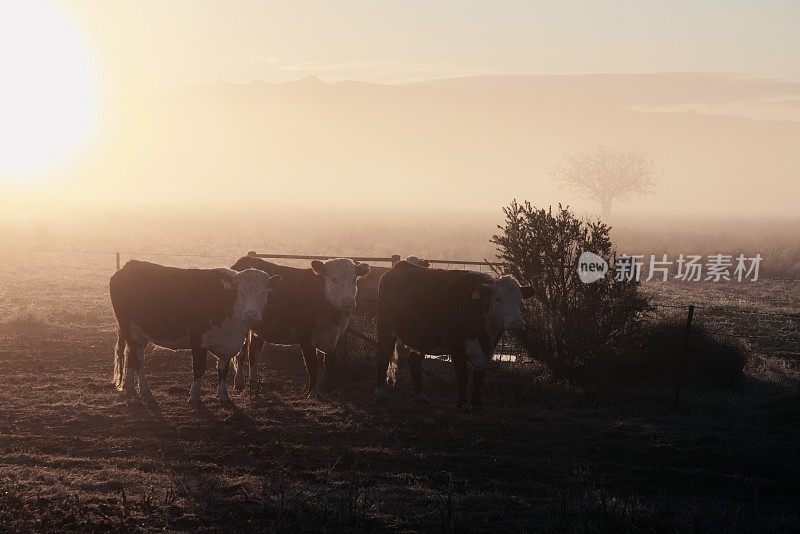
(47, 89)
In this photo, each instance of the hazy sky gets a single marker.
(75, 122)
(167, 43)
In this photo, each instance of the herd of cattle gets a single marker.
(233, 312)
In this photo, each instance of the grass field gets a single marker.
(542, 456)
(77, 456)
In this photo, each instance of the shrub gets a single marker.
(570, 324)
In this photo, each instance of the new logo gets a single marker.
(591, 267)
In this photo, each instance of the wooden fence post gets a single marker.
(680, 371)
(118, 261)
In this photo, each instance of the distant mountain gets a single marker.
(472, 142)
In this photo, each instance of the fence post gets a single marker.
(680, 371)
(118, 261)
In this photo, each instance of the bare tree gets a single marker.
(607, 175)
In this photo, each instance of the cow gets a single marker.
(366, 303)
(205, 310)
(311, 309)
(462, 314)
(401, 352)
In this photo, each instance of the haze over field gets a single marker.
(222, 112)
(144, 144)
(468, 143)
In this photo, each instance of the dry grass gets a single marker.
(74, 456)
(543, 456)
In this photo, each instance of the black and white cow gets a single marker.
(205, 310)
(311, 309)
(436, 311)
(402, 353)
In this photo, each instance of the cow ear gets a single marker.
(426, 263)
(527, 292)
(362, 269)
(481, 291)
(318, 267)
(275, 281)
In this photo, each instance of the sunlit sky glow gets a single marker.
(171, 43)
(47, 91)
(99, 95)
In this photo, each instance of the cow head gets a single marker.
(413, 260)
(252, 291)
(341, 275)
(502, 301)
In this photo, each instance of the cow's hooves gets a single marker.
(238, 387)
(195, 401)
(226, 403)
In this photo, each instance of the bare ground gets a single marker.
(75, 455)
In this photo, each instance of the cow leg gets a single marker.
(401, 353)
(132, 367)
(415, 360)
(477, 384)
(199, 367)
(223, 364)
(251, 350)
(253, 357)
(460, 367)
(144, 389)
(238, 363)
(383, 356)
(312, 367)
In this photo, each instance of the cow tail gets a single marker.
(119, 360)
(391, 371)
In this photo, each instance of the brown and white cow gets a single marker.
(205, 310)
(435, 311)
(311, 309)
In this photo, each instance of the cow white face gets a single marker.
(505, 297)
(252, 292)
(340, 275)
